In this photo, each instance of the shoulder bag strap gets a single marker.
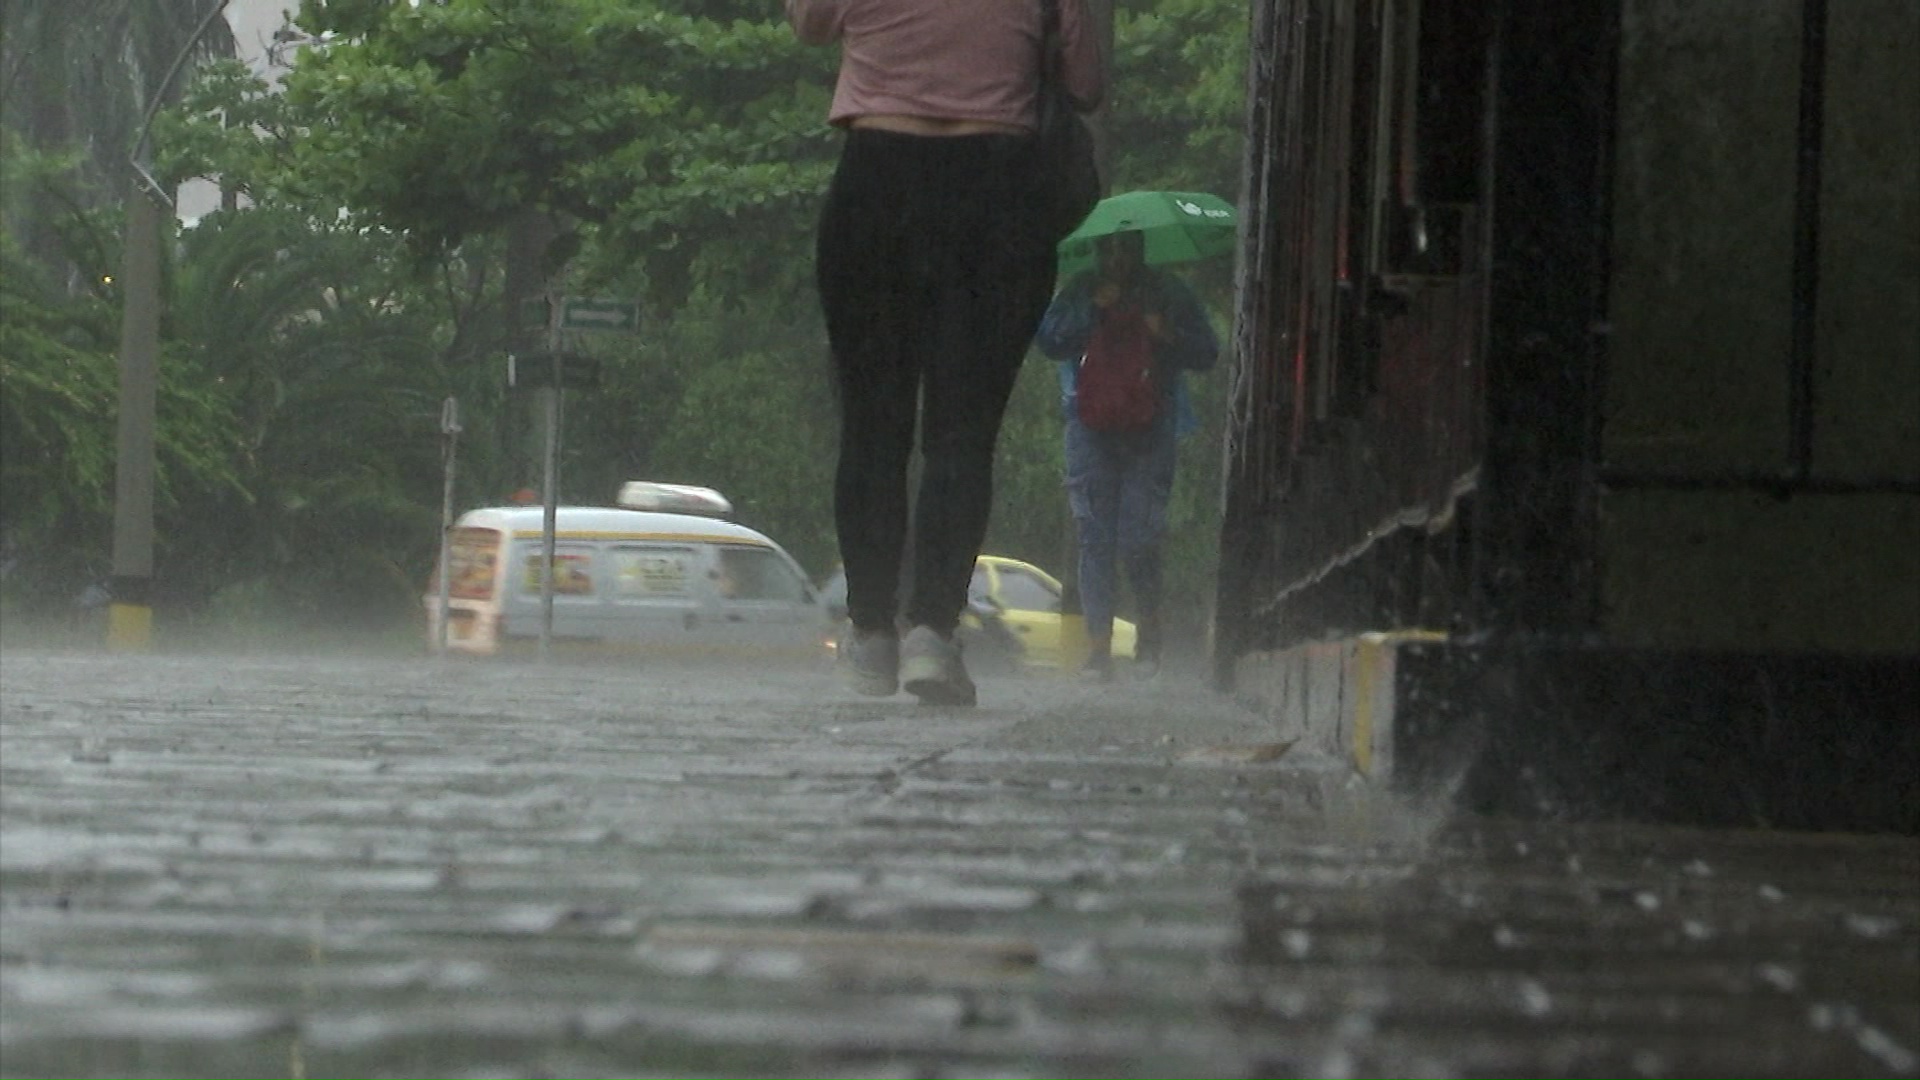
(1049, 45)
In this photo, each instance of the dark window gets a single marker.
(1021, 591)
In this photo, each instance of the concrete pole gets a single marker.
(130, 615)
(130, 612)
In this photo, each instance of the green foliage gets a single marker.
(59, 387)
(231, 125)
(652, 124)
(79, 74)
(1179, 101)
(681, 147)
(327, 362)
(299, 386)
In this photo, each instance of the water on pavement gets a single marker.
(263, 865)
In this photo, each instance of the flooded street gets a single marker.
(275, 867)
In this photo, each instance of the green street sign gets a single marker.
(599, 313)
(544, 370)
(534, 314)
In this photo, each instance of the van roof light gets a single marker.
(674, 498)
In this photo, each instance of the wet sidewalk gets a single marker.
(401, 867)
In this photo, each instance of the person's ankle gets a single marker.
(1100, 652)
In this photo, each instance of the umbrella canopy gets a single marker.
(1180, 227)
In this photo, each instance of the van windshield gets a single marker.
(748, 573)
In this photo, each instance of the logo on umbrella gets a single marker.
(1198, 211)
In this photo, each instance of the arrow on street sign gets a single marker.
(599, 313)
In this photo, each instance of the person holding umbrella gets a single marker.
(1118, 324)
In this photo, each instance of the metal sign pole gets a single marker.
(551, 399)
(564, 313)
(450, 437)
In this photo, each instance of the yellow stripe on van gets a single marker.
(670, 538)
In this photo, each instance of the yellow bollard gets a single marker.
(129, 627)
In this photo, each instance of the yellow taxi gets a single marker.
(1012, 621)
(1027, 600)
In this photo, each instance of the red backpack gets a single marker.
(1115, 389)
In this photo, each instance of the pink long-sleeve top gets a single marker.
(947, 59)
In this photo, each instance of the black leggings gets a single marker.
(933, 280)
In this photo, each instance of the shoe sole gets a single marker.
(927, 680)
(942, 692)
(872, 685)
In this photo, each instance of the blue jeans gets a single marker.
(1117, 488)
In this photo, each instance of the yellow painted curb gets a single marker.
(1366, 663)
(1370, 660)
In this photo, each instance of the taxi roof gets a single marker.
(611, 523)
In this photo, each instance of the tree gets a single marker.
(328, 361)
(58, 385)
(680, 146)
(642, 126)
(79, 75)
(301, 376)
(1179, 103)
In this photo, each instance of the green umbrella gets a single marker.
(1180, 227)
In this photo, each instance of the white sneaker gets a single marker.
(931, 669)
(870, 661)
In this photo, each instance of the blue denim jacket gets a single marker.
(1193, 346)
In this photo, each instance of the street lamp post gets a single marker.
(130, 615)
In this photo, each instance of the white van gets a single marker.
(667, 583)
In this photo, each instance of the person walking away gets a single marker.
(933, 275)
(1124, 333)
